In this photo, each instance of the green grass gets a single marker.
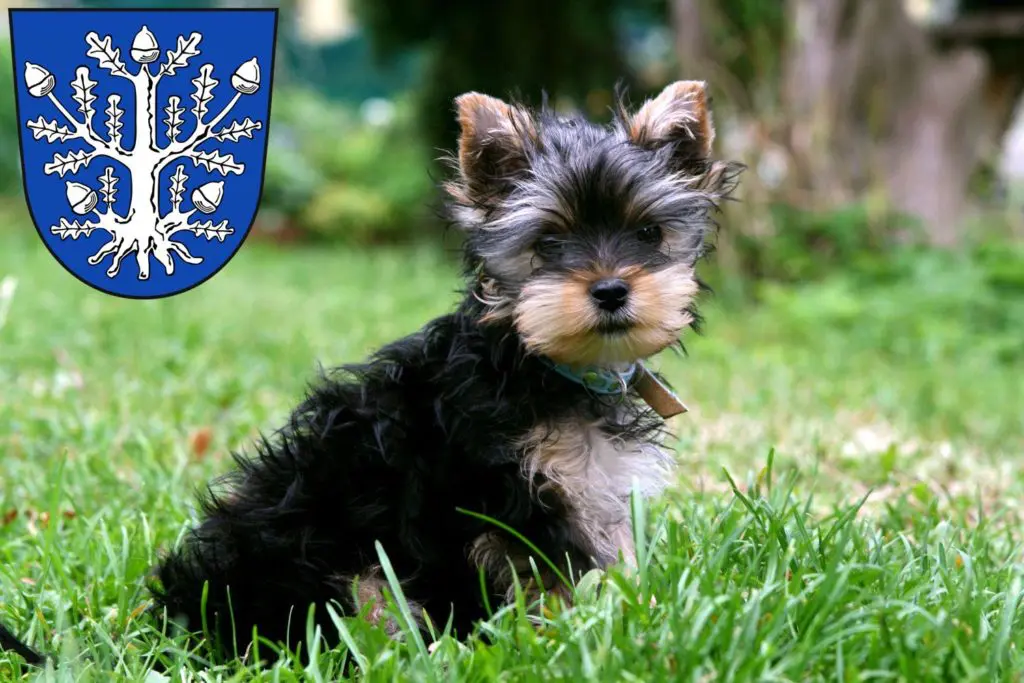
(879, 540)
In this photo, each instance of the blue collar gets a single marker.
(595, 378)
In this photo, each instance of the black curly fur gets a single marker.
(384, 451)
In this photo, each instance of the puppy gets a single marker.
(524, 406)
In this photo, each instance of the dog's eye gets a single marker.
(548, 246)
(651, 234)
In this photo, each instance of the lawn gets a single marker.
(847, 507)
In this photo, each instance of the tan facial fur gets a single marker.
(556, 316)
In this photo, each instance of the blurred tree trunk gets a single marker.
(688, 22)
(867, 100)
(871, 99)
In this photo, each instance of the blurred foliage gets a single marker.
(918, 303)
(345, 70)
(570, 49)
(10, 156)
(857, 269)
(807, 245)
(333, 175)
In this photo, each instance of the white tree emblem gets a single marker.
(143, 228)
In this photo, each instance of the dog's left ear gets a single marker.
(680, 117)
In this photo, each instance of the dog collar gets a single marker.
(607, 381)
(595, 378)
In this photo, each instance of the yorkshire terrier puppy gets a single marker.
(525, 405)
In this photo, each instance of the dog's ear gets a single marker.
(680, 117)
(493, 144)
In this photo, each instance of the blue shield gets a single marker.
(143, 139)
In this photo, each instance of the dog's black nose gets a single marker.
(610, 294)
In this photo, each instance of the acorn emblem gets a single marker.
(38, 80)
(144, 47)
(207, 197)
(246, 78)
(82, 198)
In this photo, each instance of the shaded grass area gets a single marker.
(881, 543)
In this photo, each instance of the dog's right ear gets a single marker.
(493, 145)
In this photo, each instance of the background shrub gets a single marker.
(345, 175)
(10, 159)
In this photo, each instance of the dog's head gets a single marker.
(585, 237)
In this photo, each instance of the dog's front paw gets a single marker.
(547, 601)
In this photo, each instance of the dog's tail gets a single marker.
(8, 641)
